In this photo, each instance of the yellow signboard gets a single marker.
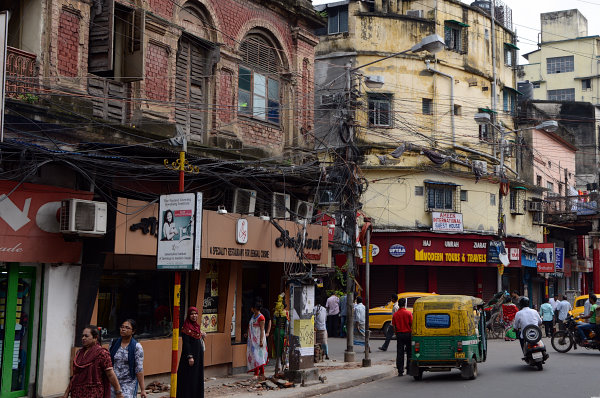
(422, 255)
(305, 330)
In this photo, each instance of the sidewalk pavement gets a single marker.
(338, 374)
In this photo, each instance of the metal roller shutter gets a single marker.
(415, 279)
(490, 283)
(384, 284)
(456, 280)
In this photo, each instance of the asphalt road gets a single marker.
(504, 374)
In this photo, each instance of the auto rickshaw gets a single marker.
(448, 331)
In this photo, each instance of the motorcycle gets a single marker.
(564, 340)
(534, 349)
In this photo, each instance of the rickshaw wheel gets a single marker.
(469, 371)
(419, 377)
(474, 371)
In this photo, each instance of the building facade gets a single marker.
(97, 93)
(562, 68)
(432, 171)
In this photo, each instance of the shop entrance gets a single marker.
(17, 291)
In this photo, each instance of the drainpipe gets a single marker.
(435, 71)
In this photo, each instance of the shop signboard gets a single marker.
(545, 257)
(179, 231)
(559, 254)
(446, 222)
(493, 252)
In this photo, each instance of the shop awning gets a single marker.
(510, 45)
(486, 110)
(513, 90)
(454, 21)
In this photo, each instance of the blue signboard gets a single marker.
(397, 250)
(528, 260)
(560, 259)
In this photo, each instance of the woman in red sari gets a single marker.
(92, 369)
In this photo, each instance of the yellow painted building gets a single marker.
(422, 152)
(565, 66)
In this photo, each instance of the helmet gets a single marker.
(524, 302)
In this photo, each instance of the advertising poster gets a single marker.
(545, 257)
(559, 255)
(302, 325)
(180, 220)
(211, 300)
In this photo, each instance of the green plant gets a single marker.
(29, 98)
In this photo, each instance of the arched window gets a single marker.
(258, 82)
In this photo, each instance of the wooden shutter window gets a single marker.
(101, 57)
(258, 54)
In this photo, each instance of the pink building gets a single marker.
(553, 162)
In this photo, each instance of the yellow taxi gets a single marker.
(578, 306)
(381, 317)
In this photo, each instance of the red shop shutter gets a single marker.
(456, 280)
(415, 279)
(384, 284)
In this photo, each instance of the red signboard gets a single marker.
(545, 257)
(29, 225)
(427, 248)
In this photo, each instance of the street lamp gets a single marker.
(484, 118)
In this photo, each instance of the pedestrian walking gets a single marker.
(343, 315)
(321, 328)
(93, 372)
(127, 356)
(402, 321)
(190, 373)
(547, 316)
(333, 314)
(359, 323)
(256, 351)
(389, 332)
(265, 312)
(562, 311)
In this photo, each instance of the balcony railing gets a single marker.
(568, 208)
(20, 73)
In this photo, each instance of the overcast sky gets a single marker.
(526, 17)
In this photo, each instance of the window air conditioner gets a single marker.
(480, 165)
(534, 206)
(304, 210)
(83, 217)
(244, 201)
(280, 205)
(415, 13)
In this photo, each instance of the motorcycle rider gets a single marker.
(584, 328)
(525, 317)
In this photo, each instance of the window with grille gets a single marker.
(560, 64)
(337, 20)
(442, 197)
(258, 84)
(427, 106)
(567, 94)
(485, 132)
(586, 84)
(508, 101)
(509, 56)
(380, 110)
(517, 201)
(455, 36)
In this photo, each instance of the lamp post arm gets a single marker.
(380, 59)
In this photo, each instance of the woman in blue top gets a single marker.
(128, 361)
(547, 316)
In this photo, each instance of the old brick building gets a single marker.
(96, 90)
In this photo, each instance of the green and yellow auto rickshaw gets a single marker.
(448, 332)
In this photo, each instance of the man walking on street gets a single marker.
(402, 321)
(562, 308)
(333, 314)
(389, 332)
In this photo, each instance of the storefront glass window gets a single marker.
(145, 296)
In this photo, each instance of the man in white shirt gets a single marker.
(525, 317)
(562, 308)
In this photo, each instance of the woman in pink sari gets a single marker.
(256, 352)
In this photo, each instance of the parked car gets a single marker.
(380, 318)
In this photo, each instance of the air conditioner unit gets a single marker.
(415, 13)
(534, 206)
(244, 201)
(480, 165)
(280, 205)
(83, 217)
(304, 210)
